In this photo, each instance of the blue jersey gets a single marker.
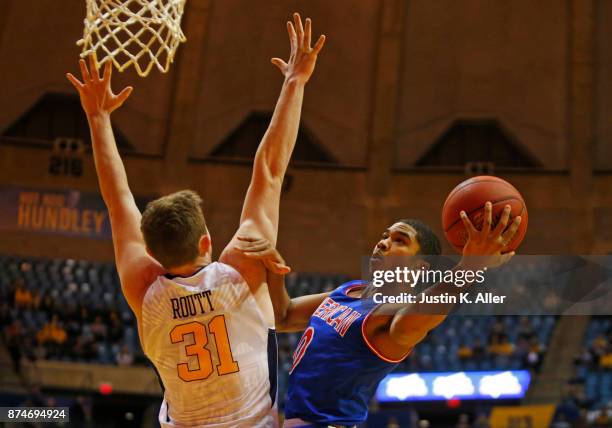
(335, 371)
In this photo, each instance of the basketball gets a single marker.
(470, 196)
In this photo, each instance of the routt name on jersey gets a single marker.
(191, 305)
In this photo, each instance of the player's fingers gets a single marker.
(255, 247)
(280, 269)
(260, 254)
(503, 222)
(75, 82)
(292, 37)
(282, 65)
(319, 45)
(300, 29)
(505, 258)
(488, 219)
(247, 238)
(123, 95)
(84, 72)
(93, 68)
(307, 33)
(471, 230)
(508, 235)
(108, 70)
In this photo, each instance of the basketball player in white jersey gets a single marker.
(204, 325)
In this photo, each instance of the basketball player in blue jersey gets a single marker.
(350, 343)
(203, 324)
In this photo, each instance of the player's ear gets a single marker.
(205, 244)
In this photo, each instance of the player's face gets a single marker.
(398, 240)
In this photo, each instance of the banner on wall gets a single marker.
(65, 212)
(522, 416)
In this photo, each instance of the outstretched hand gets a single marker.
(303, 58)
(95, 92)
(487, 245)
(261, 249)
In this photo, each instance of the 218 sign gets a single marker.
(66, 158)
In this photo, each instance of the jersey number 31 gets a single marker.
(218, 329)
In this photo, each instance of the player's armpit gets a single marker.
(299, 311)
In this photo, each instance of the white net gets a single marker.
(142, 33)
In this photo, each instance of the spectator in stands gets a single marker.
(48, 304)
(603, 417)
(560, 422)
(521, 348)
(13, 337)
(482, 421)
(605, 362)
(525, 329)
(585, 358)
(464, 352)
(81, 412)
(498, 333)
(115, 329)
(393, 423)
(599, 348)
(98, 329)
(478, 350)
(125, 357)
(464, 421)
(568, 410)
(53, 336)
(23, 297)
(39, 353)
(532, 359)
(504, 347)
(84, 315)
(5, 315)
(84, 348)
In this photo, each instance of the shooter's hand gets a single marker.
(303, 58)
(261, 249)
(484, 247)
(96, 95)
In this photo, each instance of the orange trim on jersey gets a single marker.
(374, 350)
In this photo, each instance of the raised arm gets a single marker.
(482, 250)
(98, 101)
(261, 205)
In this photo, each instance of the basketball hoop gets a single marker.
(142, 33)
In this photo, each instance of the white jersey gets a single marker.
(212, 349)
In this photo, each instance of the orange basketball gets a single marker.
(470, 196)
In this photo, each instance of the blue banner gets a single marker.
(66, 212)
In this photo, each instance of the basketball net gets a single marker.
(142, 33)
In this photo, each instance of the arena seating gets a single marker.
(595, 364)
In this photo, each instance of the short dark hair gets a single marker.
(172, 227)
(428, 241)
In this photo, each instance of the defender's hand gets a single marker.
(303, 58)
(484, 247)
(95, 92)
(261, 249)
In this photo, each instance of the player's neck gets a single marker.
(190, 268)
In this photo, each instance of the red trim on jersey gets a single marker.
(348, 290)
(374, 350)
